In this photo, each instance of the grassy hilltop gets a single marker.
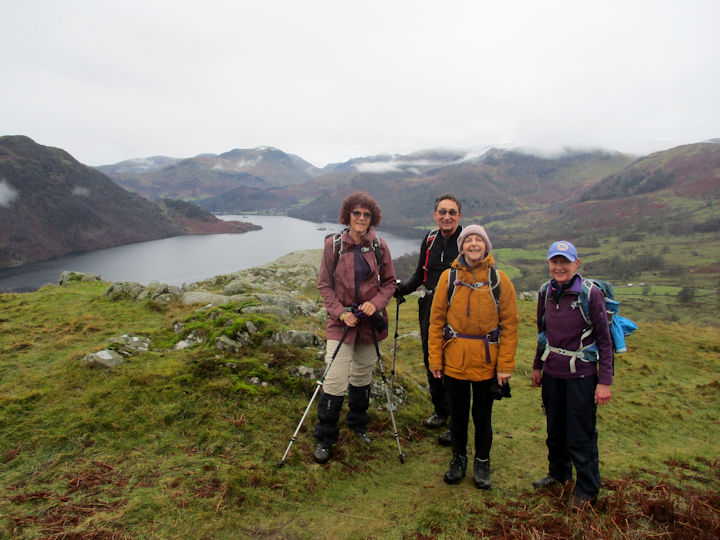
(183, 443)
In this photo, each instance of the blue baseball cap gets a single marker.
(564, 248)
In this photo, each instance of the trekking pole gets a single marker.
(387, 394)
(398, 301)
(317, 389)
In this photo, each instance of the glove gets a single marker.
(498, 392)
(398, 295)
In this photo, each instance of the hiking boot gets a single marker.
(435, 421)
(322, 452)
(458, 466)
(363, 437)
(546, 482)
(481, 473)
(445, 438)
(579, 503)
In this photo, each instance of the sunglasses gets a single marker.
(358, 213)
(444, 211)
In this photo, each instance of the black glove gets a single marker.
(398, 295)
(378, 321)
(498, 392)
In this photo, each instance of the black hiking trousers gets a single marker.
(572, 437)
(438, 393)
(462, 393)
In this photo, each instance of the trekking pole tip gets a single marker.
(280, 465)
(402, 459)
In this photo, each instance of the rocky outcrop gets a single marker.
(276, 288)
(119, 349)
(281, 288)
(68, 277)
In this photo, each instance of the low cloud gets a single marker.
(81, 191)
(7, 193)
(377, 167)
(236, 165)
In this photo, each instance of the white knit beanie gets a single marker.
(474, 229)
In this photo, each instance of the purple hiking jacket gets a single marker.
(564, 324)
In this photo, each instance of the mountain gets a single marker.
(209, 175)
(138, 165)
(495, 182)
(52, 205)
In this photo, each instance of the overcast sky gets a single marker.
(330, 80)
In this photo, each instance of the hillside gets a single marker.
(670, 192)
(52, 205)
(183, 437)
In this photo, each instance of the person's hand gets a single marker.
(502, 378)
(349, 319)
(536, 377)
(437, 373)
(367, 308)
(602, 394)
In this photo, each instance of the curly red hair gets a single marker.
(362, 199)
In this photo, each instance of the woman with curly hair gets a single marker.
(356, 281)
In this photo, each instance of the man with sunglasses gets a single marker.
(437, 252)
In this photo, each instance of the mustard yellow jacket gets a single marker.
(473, 312)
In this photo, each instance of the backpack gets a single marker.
(375, 247)
(619, 326)
(493, 281)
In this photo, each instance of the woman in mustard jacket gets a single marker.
(472, 342)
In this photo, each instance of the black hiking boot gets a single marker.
(481, 473)
(547, 482)
(436, 421)
(363, 437)
(445, 438)
(458, 466)
(579, 503)
(322, 452)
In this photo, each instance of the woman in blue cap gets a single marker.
(572, 385)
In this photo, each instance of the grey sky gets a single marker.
(331, 80)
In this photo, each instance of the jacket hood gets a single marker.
(486, 263)
(365, 241)
(576, 287)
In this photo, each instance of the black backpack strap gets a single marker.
(377, 249)
(452, 277)
(494, 280)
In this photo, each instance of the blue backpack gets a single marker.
(619, 326)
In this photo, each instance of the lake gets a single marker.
(187, 259)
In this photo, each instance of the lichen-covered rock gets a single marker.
(295, 338)
(205, 298)
(124, 289)
(224, 343)
(128, 345)
(68, 276)
(106, 358)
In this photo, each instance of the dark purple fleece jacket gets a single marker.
(564, 324)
